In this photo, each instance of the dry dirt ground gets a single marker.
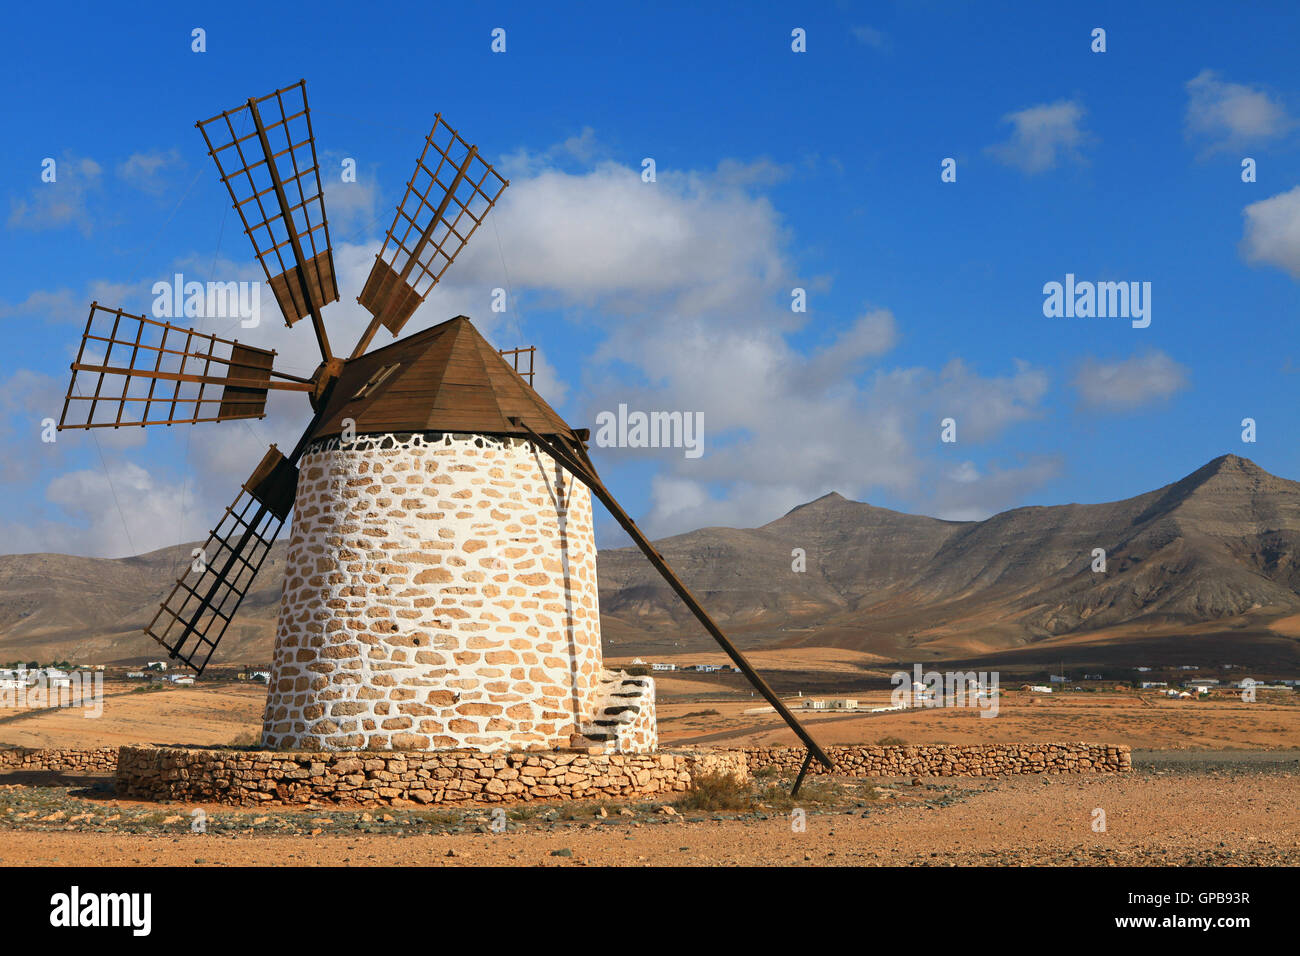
(207, 715)
(1225, 809)
(1217, 782)
(710, 709)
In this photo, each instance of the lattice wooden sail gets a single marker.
(132, 370)
(194, 617)
(266, 154)
(516, 357)
(447, 197)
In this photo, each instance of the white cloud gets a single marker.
(983, 407)
(964, 494)
(1129, 383)
(147, 171)
(870, 36)
(27, 399)
(128, 501)
(965, 473)
(580, 150)
(1272, 233)
(64, 305)
(63, 202)
(783, 427)
(683, 242)
(353, 208)
(1042, 136)
(1232, 115)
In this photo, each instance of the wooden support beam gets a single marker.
(289, 386)
(582, 468)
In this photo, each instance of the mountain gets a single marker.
(1213, 556)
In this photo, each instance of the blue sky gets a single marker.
(775, 170)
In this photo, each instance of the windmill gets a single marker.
(440, 580)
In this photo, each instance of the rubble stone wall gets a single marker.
(62, 759)
(386, 778)
(949, 760)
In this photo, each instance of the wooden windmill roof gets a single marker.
(446, 379)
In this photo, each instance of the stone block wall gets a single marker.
(386, 778)
(61, 759)
(950, 760)
(440, 592)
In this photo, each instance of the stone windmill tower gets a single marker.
(440, 584)
(441, 581)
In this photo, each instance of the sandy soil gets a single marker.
(213, 714)
(1145, 721)
(1228, 815)
(709, 711)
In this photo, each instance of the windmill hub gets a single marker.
(322, 381)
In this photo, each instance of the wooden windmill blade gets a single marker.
(192, 620)
(266, 154)
(447, 197)
(132, 370)
(573, 458)
(516, 358)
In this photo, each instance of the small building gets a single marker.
(1154, 684)
(832, 703)
(1040, 689)
(663, 667)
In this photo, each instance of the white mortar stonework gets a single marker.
(440, 592)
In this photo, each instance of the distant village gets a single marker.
(1144, 678)
(1162, 679)
(18, 675)
(695, 668)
